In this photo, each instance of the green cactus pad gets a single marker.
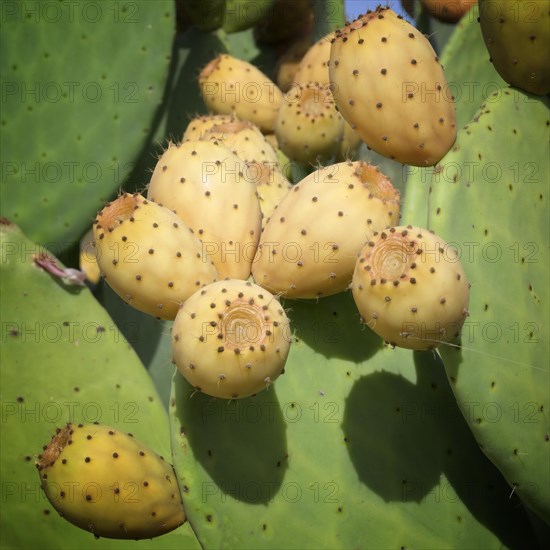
(471, 78)
(352, 441)
(63, 359)
(81, 82)
(244, 14)
(491, 199)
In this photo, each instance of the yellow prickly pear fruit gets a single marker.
(390, 87)
(230, 85)
(231, 339)
(149, 256)
(308, 126)
(410, 288)
(106, 482)
(244, 139)
(201, 124)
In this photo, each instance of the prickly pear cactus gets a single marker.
(352, 440)
(63, 359)
(471, 78)
(76, 121)
(490, 196)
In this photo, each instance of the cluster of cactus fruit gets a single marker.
(206, 226)
(224, 241)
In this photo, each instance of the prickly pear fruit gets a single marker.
(204, 184)
(106, 482)
(244, 139)
(390, 87)
(448, 11)
(231, 339)
(87, 259)
(271, 185)
(314, 65)
(201, 124)
(288, 63)
(410, 288)
(309, 246)
(349, 146)
(517, 34)
(308, 126)
(148, 255)
(230, 85)
(288, 167)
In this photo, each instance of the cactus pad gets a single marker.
(490, 197)
(63, 359)
(351, 441)
(471, 78)
(76, 121)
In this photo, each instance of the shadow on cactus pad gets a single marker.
(225, 435)
(181, 100)
(410, 443)
(330, 327)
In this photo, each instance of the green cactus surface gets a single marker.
(78, 105)
(355, 446)
(490, 198)
(471, 78)
(63, 359)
